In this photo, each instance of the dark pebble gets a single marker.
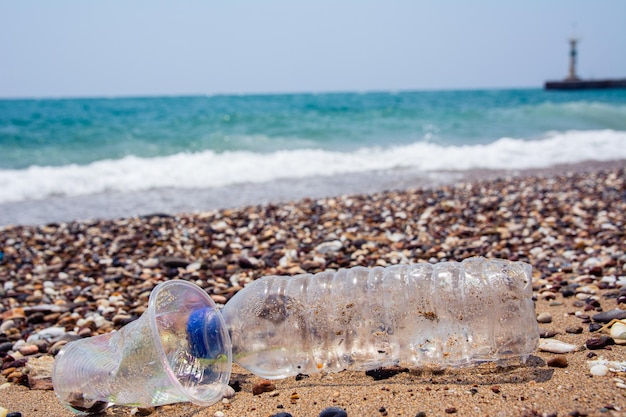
(246, 263)
(594, 327)
(599, 342)
(450, 410)
(607, 316)
(281, 415)
(574, 329)
(14, 414)
(172, 262)
(333, 412)
(420, 414)
(559, 361)
(35, 318)
(6, 346)
(385, 373)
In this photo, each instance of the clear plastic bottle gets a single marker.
(420, 315)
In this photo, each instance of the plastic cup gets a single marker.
(179, 350)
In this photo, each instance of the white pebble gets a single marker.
(218, 414)
(618, 331)
(556, 346)
(620, 385)
(228, 392)
(599, 370)
(50, 333)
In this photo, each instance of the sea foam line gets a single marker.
(209, 169)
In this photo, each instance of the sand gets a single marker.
(585, 209)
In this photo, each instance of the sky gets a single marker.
(78, 48)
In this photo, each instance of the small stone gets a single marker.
(450, 410)
(29, 349)
(385, 372)
(56, 347)
(283, 414)
(607, 316)
(333, 412)
(6, 325)
(556, 346)
(618, 331)
(329, 247)
(544, 318)
(559, 361)
(172, 262)
(142, 411)
(599, 342)
(84, 332)
(121, 319)
(574, 329)
(546, 334)
(228, 392)
(263, 386)
(599, 370)
(6, 346)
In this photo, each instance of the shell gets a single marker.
(556, 346)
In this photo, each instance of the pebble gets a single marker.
(263, 386)
(607, 316)
(599, 342)
(599, 370)
(556, 346)
(544, 318)
(27, 350)
(333, 412)
(559, 361)
(618, 331)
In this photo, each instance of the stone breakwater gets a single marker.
(60, 282)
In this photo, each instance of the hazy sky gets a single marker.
(121, 47)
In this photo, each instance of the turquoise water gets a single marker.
(55, 148)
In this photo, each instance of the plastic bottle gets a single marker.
(420, 315)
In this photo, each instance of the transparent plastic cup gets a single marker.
(178, 350)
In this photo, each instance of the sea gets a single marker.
(97, 158)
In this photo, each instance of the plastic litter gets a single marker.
(448, 314)
(420, 315)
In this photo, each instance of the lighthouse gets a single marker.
(572, 82)
(571, 76)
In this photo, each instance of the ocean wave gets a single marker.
(210, 169)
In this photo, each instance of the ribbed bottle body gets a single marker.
(419, 315)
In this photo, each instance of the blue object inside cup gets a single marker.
(203, 333)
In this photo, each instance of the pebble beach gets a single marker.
(64, 281)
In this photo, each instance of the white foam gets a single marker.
(210, 169)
